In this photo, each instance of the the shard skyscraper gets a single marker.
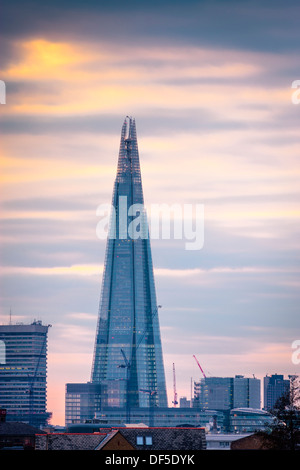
(128, 360)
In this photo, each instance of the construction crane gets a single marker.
(199, 366)
(151, 394)
(32, 379)
(127, 365)
(174, 386)
(154, 312)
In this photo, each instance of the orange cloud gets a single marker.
(89, 79)
(74, 270)
(18, 171)
(44, 59)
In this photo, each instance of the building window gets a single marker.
(139, 440)
(148, 440)
(224, 444)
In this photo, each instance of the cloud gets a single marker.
(94, 78)
(75, 270)
(250, 25)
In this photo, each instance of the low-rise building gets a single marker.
(127, 438)
(222, 441)
(249, 420)
(17, 436)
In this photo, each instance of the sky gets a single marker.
(209, 84)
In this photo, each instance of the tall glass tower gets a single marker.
(128, 361)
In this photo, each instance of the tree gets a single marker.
(285, 428)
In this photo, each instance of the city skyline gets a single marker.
(210, 87)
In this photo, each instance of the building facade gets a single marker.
(128, 360)
(120, 439)
(222, 441)
(23, 373)
(225, 393)
(184, 402)
(246, 392)
(159, 417)
(275, 386)
(82, 401)
(249, 420)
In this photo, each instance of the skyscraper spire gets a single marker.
(128, 360)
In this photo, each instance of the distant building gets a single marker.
(213, 393)
(23, 373)
(249, 420)
(225, 393)
(184, 402)
(157, 417)
(246, 392)
(222, 441)
(82, 401)
(274, 387)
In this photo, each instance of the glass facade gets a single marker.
(23, 373)
(214, 393)
(275, 386)
(81, 402)
(249, 420)
(128, 360)
(163, 417)
(225, 393)
(246, 392)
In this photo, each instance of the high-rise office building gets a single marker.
(225, 393)
(128, 361)
(246, 392)
(23, 372)
(275, 386)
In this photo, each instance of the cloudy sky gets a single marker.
(210, 86)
